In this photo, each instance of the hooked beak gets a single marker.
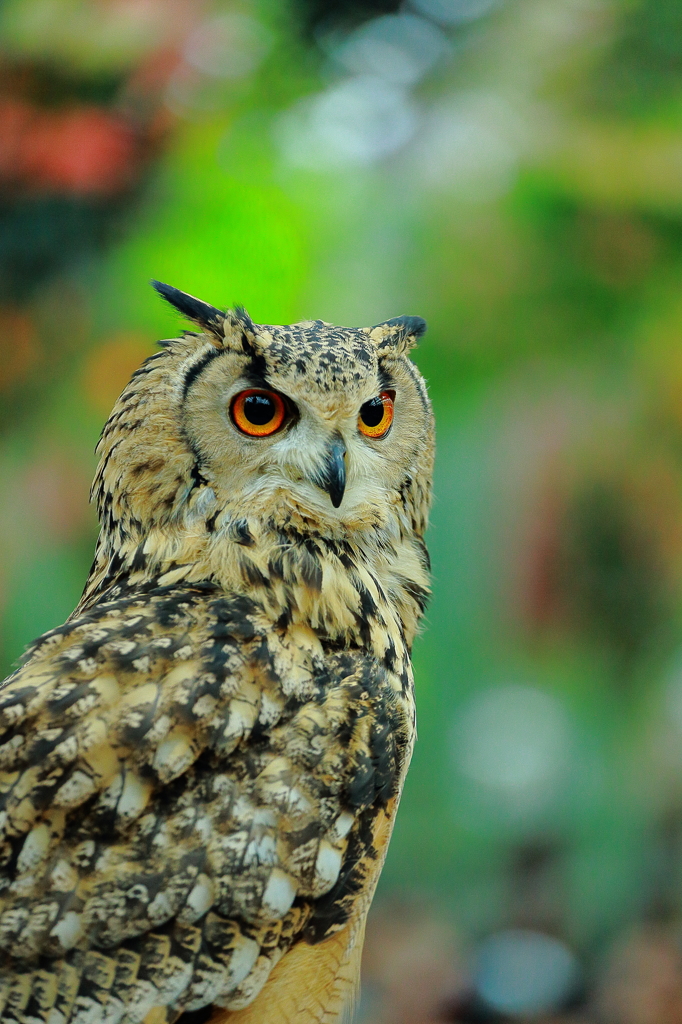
(332, 479)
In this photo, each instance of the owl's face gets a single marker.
(326, 428)
(310, 418)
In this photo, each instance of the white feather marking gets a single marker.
(327, 867)
(34, 850)
(199, 900)
(134, 797)
(243, 958)
(279, 893)
(69, 930)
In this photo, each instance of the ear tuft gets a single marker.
(408, 326)
(201, 313)
(398, 335)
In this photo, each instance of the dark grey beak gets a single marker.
(332, 479)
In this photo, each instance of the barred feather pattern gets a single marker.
(121, 731)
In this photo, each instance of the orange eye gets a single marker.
(258, 413)
(376, 415)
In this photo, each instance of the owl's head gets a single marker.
(325, 428)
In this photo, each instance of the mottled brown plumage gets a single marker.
(199, 770)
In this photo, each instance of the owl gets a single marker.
(200, 770)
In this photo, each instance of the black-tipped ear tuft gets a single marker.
(397, 336)
(409, 326)
(244, 319)
(207, 316)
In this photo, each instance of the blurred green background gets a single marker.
(511, 171)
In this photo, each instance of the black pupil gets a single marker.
(259, 409)
(372, 412)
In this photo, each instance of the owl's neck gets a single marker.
(366, 587)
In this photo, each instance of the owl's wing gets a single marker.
(185, 794)
(318, 984)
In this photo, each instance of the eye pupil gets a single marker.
(259, 409)
(258, 413)
(376, 415)
(372, 412)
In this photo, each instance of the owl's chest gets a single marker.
(345, 713)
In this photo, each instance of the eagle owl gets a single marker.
(200, 769)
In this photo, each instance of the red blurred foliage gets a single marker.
(54, 491)
(411, 965)
(82, 149)
(109, 367)
(19, 346)
(64, 143)
(643, 979)
(542, 604)
(602, 549)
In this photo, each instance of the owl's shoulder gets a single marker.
(172, 760)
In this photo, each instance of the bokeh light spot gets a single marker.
(230, 45)
(522, 972)
(400, 48)
(357, 122)
(454, 12)
(515, 741)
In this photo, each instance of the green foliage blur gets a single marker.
(514, 175)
